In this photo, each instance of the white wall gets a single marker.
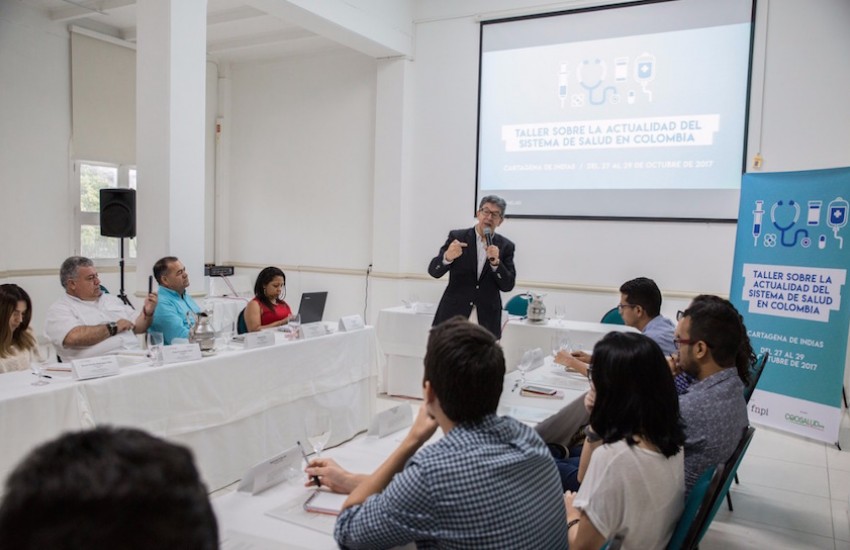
(301, 151)
(35, 129)
(579, 263)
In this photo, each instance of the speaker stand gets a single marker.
(121, 293)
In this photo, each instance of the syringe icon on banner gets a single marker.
(758, 214)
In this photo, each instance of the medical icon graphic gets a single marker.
(770, 240)
(785, 226)
(836, 218)
(562, 84)
(822, 242)
(621, 69)
(645, 72)
(814, 212)
(758, 214)
(591, 75)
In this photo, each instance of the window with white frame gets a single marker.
(91, 178)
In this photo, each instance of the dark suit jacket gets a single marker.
(469, 288)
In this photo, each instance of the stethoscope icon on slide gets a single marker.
(783, 229)
(601, 70)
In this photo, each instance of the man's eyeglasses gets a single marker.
(680, 315)
(621, 307)
(686, 342)
(491, 213)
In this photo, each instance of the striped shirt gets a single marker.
(490, 484)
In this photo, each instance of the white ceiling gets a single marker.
(236, 31)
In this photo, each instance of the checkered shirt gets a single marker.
(491, 484)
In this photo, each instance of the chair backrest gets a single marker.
(730, 468)
(613, 317)
(518, 305)
(755, 373)
(614, 542)
(697, 507)
(241, 325)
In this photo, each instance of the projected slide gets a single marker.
(634, 114)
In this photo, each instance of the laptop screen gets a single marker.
(312, 306)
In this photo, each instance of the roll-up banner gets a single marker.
(789, 282)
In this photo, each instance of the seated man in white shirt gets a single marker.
(85, 322)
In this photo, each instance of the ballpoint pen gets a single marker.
(304, 454)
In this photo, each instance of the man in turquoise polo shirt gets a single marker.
(175, 309)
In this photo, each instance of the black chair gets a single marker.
(756, 371)
(731, 467)
(702, 495)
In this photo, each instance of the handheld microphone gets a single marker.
(488, 236)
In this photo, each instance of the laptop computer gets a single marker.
(312, 306)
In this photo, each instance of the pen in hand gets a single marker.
(315, 478)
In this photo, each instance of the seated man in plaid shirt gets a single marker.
(489, 482)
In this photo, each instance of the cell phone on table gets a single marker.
(539, 389)
(150, 284)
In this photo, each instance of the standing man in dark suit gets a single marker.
(479, 270)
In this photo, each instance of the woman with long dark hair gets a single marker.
(632, 464)
(268, 309)
(17, 343)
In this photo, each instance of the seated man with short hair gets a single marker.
(88, 323)
(176, 310)
(712, 341)
(107, 488)
(490, 482)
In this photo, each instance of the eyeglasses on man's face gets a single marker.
(495, 214)
(621, 307)
(678, 342)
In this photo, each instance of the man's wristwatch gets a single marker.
(113, 328)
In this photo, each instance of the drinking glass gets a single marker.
(318, 427)
(155, 342)
(560, 312)
(43, 357)
(560, 341)
(226, 333)
(525, 364)
(295, 323)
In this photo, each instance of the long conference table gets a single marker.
(275, 518)
(232, 410)
(403, 335)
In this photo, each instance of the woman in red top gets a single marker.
(268, 309)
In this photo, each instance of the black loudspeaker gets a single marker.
(118, 213)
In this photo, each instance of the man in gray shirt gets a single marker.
(711, 337)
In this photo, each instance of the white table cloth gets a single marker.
(243, 519)
(233, 409)
(403, 336)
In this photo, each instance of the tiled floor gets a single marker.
(793, 494)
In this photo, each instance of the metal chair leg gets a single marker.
(729, 501)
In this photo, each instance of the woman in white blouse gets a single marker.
(632, 464)
(17, 343)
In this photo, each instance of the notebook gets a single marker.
(312, 307)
